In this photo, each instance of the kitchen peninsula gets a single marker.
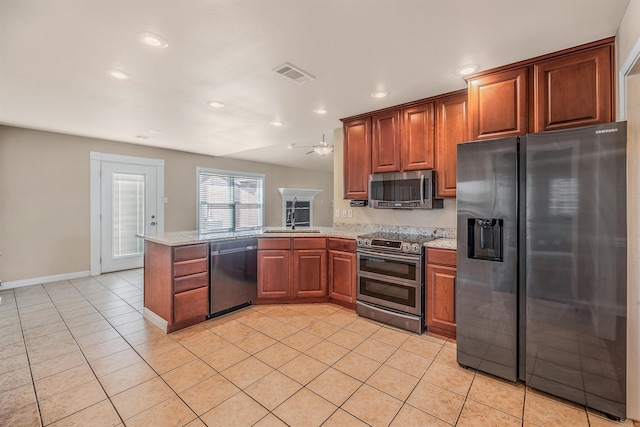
(293, 266)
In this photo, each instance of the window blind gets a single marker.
(229, 202)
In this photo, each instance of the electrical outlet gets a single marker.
(344, 213)
(350, 213)
(337, 213)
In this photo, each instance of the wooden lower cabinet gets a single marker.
(342, 276)
(309, 273)
(440, 292)
(274, 273)
(342, 271)
(176, 283)
(190, 304)
(292, 269)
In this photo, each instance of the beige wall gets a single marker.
(441, 218)
(44, 196)
(627, 36)
(628, 32)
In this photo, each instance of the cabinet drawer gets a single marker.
(274, 243)
(441, 256)
(190, 304)
(309, 243)
(346, 245)
(194, 266)
(184, 253)
(186, 283)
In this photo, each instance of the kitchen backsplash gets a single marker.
(406, 229)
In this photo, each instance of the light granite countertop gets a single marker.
(443, 243)
(178, 238)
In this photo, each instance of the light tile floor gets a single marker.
(79, 353)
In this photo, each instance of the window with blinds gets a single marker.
(229, 201)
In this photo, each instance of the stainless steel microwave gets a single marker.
(404, 190)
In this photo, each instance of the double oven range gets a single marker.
(390, 279)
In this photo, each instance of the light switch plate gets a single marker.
(344, 213)
(337, 213)
(350, 213)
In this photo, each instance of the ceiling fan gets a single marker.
(321, 148)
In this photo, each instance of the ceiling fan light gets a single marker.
(323, 150)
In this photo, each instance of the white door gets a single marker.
(128, 207)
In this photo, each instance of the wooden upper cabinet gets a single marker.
(498, 105)
(451, 129)
(573, 90)
(357, 158)
(385, 148)
(418, 137)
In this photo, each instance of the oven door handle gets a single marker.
(403, 257)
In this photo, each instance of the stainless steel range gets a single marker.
(391, 279)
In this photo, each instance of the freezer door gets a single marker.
(575, 265)
(486, 277)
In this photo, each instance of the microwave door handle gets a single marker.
(422, 179)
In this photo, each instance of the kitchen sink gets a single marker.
(288, 230)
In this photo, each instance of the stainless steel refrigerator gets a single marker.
(541, 264)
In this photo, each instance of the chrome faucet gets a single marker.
(291, 215)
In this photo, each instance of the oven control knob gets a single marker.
(406, 247)
(360, 241)
(367, 242)
(415, 247)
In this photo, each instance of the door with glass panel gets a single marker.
(128, 207)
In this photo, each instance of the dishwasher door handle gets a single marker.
(234, 251)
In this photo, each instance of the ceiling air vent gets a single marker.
(293, 73)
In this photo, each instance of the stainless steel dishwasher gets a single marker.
(232, 275)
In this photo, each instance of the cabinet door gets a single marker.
(418, 137)
(498, 105)
(385, 148)
(357, 158)
(573, 90)
(451, 129)
(342, 276)
(440, 299)
(310, 273)
(274, 274)
(191, 304)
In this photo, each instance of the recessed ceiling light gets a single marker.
(379, 94)
(465, 70)
(152, 40)
(291, 145)
(216, 104)
(277, 123)
(117, 74)
(321, 111)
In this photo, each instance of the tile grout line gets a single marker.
(26, 351)
(82, 352)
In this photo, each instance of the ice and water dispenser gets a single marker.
(485, 239)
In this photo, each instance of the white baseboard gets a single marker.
(155, 319)
(41, 280)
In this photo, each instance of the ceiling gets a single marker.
(54, 57)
